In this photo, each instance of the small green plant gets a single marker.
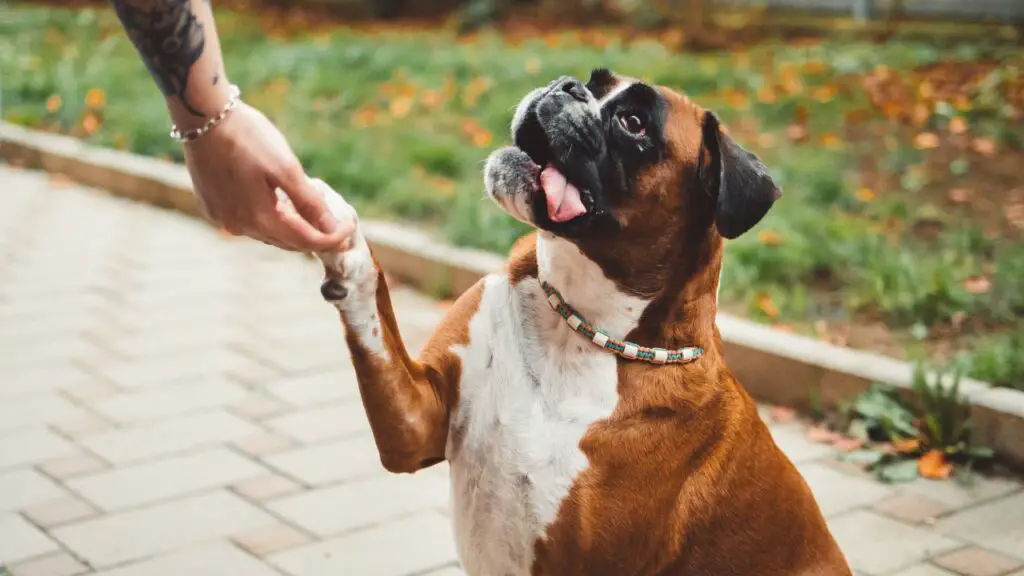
(999, 359)
(926, 437)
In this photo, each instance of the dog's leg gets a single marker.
(407, 402)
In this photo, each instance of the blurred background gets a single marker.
(894, 127)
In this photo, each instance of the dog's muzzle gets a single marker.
(550, 177)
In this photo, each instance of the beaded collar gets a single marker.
(627, 350)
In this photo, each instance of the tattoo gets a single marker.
(169, 38)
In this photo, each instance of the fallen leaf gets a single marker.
(482, 138)
(766, 140)
(430, 98)
(765, 304)
(848, 444)
(90, 123)
(53, 103)
(769, 237)
(977, 285)
(926, 141)
(400, 107)
(958, 125)
(823, 435)
(866, 194)
(961, 195)
(906, 446)
(796, 132)
(95, 98)
(782, 414)
(986, 146)
(933, 465)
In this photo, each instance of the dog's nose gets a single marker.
(574, 88)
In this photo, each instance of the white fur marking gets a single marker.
(618, 89)
(358, 275)
(527, 396)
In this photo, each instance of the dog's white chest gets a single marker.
(530, 388)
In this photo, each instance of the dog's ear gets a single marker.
(740, 181)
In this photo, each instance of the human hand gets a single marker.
(237, 169)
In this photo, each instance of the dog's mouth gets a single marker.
(561, 199)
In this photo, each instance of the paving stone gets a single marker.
(911, 508)
(271, 540)
(57, 564)
(957, 494)
(302, 358)
(257, 406)
(88, 392)
(879, 545)
(162, 479)
(996, 525)
(36, 410)
(171, 369)
(447, 571)
(316, 389)
(328, 511)
(330, 463)
(267, 487)
(324, 423)
(21, 540)
(924, 570)
(45, 352)
(837, 492)
(167, 436)
(43, 379)
(20, 489)
(163, 401)
(215, 559)
(81, 426)
(975, 561)
(426, 543)
(60, 512)
(144, 532)
(71, 466)
(263, 443)
(31, 445)
(794, 443)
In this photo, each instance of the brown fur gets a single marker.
(684, 477)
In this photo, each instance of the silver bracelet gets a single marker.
(190, 135)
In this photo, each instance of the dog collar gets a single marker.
(624, 349)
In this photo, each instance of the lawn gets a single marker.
(902, 227)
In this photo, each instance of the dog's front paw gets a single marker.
(350, 270)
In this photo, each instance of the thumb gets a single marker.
(308, 200)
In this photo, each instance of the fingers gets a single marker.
(303, 218)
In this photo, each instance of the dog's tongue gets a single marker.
(564, 202)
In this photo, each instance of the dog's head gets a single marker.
(619, 165)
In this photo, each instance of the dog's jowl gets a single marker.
(581, 395)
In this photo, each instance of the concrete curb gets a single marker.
(768, 362)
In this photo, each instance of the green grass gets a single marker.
(401, 122)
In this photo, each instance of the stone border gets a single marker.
(767, 361)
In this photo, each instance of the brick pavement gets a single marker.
(176, 402)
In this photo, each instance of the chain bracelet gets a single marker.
(193, 134)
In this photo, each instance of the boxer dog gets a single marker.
(580, 395)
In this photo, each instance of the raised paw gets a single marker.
(350, 270)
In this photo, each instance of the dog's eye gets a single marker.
(632, 123)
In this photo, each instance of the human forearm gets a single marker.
(178, 42)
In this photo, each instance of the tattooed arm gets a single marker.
(177, 40)
(237, 166)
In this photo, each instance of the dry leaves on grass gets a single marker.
(977, 285)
